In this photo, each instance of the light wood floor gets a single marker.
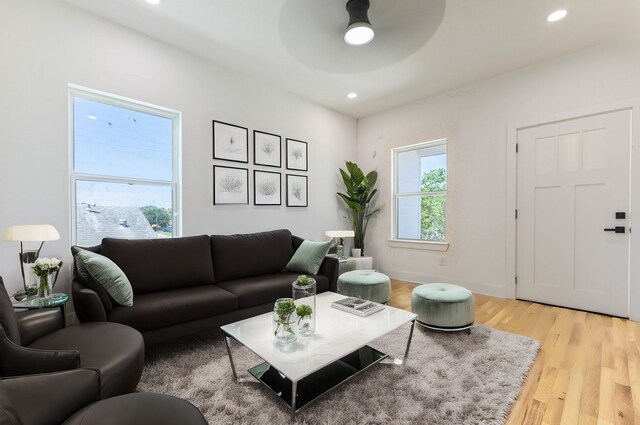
(587, 371)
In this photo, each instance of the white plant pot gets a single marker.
(356, 252)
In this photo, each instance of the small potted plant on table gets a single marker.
(304, 294)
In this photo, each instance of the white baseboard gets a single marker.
(477, 287)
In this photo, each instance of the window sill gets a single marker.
(431, 246)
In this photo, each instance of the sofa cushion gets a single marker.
(257, 290)
(165, 308)
(308, 257)
(161, 264)
(100, 269)
(252, 254)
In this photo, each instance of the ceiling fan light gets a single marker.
(358, 34)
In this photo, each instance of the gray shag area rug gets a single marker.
(450, 378)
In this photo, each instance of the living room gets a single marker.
(479, 77)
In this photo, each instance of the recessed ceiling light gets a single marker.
(352, 95)
(557, 15)
(153, 1)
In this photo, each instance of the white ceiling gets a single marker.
(421, 47)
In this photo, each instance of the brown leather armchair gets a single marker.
(36, 341)
(73, 398)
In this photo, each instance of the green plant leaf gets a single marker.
(371, 195)
(346, 179)
(350, 202)
(372, 178)
(357, 176)
(372, 213)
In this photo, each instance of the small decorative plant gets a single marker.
(284, 310)
(304, 311)
(44, 267)
(303, 280)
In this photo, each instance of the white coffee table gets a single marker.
(303, 371)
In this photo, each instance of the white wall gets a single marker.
(475, 123)
(45, 45)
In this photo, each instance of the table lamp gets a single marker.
(30, 233)
(338, 236)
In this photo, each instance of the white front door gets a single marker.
(573, 177)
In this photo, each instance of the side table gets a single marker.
(355, 263)
(360, 263)
(55, 300)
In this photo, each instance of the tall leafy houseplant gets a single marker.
(360, 190)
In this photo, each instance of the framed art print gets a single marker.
(297, 188)
(297, 155)
(230, 185)
(267, 188)
(267, 149)
(230, 142)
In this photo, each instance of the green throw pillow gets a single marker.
(308, 257)
(107, 274)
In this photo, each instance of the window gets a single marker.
(124, 168)
(420, 191)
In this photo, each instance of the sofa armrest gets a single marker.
(87, 303)
(329, 268)
(18, 360)
(53, 397)
(34, 324)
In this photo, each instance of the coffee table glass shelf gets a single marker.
(304, 370)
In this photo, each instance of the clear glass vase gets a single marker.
(45, 286)
(306, 295)
(285, 321)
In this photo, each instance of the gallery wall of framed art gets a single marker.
(231, 184)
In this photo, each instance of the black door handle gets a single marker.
(617, 229)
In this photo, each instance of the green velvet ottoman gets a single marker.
(366, 284)
(443, 306)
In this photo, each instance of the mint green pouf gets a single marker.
(366, 284)
(443, 306)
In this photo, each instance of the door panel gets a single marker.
(573, 176)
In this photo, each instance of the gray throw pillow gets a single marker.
(107, 274)
(308, 257)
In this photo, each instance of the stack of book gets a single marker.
(357, 306)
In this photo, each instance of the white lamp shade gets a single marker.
(340, 233)
(31, 233)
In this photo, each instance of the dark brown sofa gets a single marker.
(186, 285)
